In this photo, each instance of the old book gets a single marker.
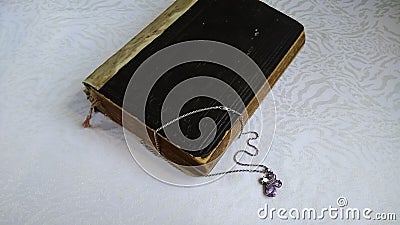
(267, 36)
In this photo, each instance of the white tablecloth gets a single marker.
(338, 115)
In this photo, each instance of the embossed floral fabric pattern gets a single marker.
(337, 131)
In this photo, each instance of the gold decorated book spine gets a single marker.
(109, 68)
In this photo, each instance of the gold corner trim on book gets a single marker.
(110, 67)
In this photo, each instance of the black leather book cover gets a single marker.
(270, 38)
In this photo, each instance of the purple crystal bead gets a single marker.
(270, 190)
(271, 184)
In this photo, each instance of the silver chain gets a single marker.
(269, 180)
(224, 108)
(264, 168)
